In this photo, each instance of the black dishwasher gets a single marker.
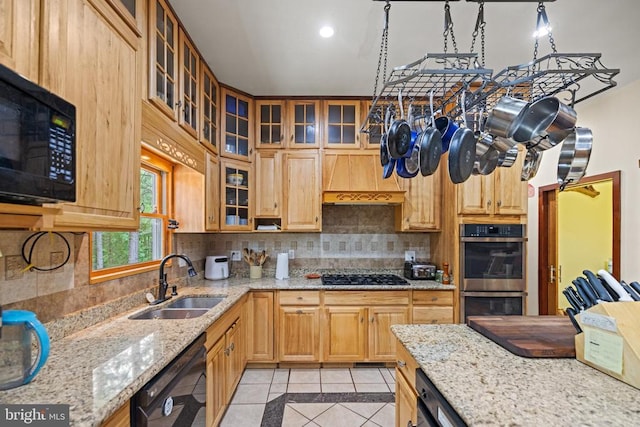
(433, 409)
(177, 395)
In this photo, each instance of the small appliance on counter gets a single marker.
(216, 267)
(418, 270)
(282, 266)
(17, 367)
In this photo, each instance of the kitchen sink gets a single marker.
(171, 313)
(196, 302)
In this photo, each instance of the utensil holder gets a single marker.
(255, 272)
(610, 340)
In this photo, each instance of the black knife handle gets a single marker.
(581, 282)
(597, 286)
(635, 286)
(574, 303)
(634, 295)
(578, 298)
(572, 316)
(607, 286)
(583, 295)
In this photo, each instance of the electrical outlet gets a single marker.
(409, 255)
(292, 254)
(235, 256)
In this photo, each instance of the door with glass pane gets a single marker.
(270, 123)
(236, 208)
(237, 122)
(342, 126)
(163, 55)
(303, 124)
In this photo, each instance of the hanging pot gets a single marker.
(401, 169)
(531, 164)
(574, 156)
(487, 155)
(430, 143)
(412, 163)
(384, 150)
(387, 170)
(447, 128)
(508, 158)
(462, 154)
(502, 119)
(399, 139)
(546, 117)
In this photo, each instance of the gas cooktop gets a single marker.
(362, 279)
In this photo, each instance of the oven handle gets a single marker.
(493, 239)
(494, 294)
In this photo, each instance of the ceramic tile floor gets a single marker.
(340, 397)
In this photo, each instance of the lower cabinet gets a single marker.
(299, 326)
(260, 332)
(344, 336)
(406, 395)
(120, 418)
(225, 360)
(432, 306)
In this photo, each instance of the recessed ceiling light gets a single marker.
(326, 31)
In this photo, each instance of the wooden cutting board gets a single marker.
(529, 336)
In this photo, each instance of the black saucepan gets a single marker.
(462, 155)
(430, 146)
(399, 138)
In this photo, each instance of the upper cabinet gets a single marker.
(268, 183)
(236, 126)
(77, 34)
(163, 57)
(189, 82)
(371, 138)
(422, 203)
(19, 35)
(342, 124)
(237, 197)
(270, 116)
(209, 113)
(302, 191)
(304, 124)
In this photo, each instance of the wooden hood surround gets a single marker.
(356, 178)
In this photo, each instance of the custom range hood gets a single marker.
(356, 178)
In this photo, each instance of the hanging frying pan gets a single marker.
(387, 169)
(384, 150)
(430, 151)
(531, 164)
(574, 156)
(412, 163)
(399, 134)
(401, 169)
(462, 155)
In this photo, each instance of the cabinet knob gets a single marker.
(499, 203)
(488, 203)
(316, 219)
(401, 364)
(299, 311)
(299, 298)
(233, 346)
(372, 319)
(275, 205)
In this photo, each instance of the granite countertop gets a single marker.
(106, 361)
(488, 385)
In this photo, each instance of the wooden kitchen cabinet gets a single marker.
(91, 57)
(236, 127)
(197, 197)
(342, 124)
(189, 102)
(120, 418)
(432, 306)
(299, 326)
(268, 183)
(19, 36)
(302, 191)
(270, 125)
(163, 58)
(236, 196)
(234, 356)
(499, 193)
(303, 126)
(212, 194)
(422, 206)
(375, 129)
(406, 398)
(215, 399)
(210, 111)
(261, 327)
(357, 324)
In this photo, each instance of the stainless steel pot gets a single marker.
(531, 165)
(503, 118)
(545, 117)
(508, 158)
(574, 156)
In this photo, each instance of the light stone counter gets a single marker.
(489, 386)
(101, 366)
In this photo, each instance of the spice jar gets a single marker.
(446, 278)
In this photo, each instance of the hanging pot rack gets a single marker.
(448, 75)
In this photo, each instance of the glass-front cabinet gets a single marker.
(269, 123)
(189, 82)
(163, 55)
(209, 113)
(303, 124)
(375, 127)
(342, 124)
(236, 206)
(236, 125)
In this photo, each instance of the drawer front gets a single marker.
(406, 364)
(433, 298)
(299, 298)
(432, 315)
(366, 297)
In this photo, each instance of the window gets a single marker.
(121, 253)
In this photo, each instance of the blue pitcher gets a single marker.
(16, 333)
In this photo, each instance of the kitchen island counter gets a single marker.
(100, 358)
(488, 385)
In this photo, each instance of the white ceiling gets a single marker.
(272, 47)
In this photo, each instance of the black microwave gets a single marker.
(37, 143)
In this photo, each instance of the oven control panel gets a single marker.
(492, 230)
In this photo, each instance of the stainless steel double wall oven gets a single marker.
(492, 266)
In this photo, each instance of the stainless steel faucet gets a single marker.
(162, 282)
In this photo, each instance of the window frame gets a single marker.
(156, 164)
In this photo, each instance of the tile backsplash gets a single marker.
(353, 237)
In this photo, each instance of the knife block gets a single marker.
(627, 317)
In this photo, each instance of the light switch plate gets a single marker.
(409, 255)
(292, 254)
(235, 256)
